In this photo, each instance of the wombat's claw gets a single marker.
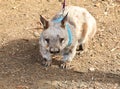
(46, 63)
(66, 65)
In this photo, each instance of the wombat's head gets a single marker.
(54, 36)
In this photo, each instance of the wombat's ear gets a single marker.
(64, 20)
(44, 22)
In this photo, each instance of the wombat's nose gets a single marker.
(54, 50)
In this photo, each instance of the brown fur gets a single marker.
(85, 28)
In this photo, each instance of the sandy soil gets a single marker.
(20, 68)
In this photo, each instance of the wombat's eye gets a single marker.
(47, 40)
(61, 40)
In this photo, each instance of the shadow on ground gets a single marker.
(19, 64)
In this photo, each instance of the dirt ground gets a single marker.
(20, 68)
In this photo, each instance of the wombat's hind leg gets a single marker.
(85, 46)
(79, 47)
(82, 48)
(84, 38)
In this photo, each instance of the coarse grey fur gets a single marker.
(54, 38)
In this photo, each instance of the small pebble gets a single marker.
(92, 69)
(36, 34)
(105, 13)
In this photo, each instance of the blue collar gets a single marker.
(59, 19)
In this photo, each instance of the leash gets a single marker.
(67, 26)
(64, 4)
(59, 19)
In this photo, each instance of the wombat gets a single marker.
(70, 28)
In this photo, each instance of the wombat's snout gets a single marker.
(54, 50)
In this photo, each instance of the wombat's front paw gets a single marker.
(66, 65)
(46, 63)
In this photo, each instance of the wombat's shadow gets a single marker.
(26, 52)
